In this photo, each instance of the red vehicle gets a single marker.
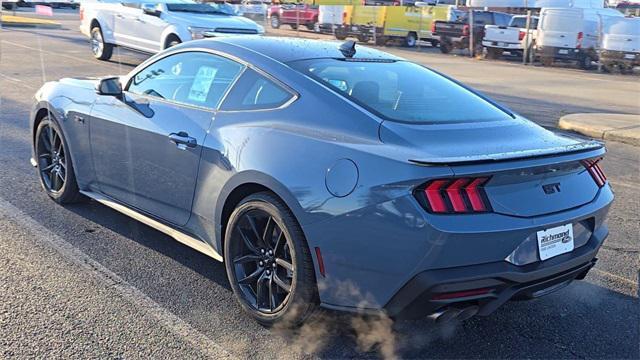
(294, 15)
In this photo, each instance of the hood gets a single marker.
(215, 21)
(82, 82)
(460, 143)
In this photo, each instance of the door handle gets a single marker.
(120, 16)
(183, 140)
(140, 20)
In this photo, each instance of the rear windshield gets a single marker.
(557, 21)
(401, 91)
(521, 22)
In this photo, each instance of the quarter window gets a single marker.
(255, 92)
(192, 78)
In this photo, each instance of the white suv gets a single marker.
(151, 27)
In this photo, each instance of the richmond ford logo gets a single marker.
(549, 239)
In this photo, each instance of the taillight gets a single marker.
(595, 171)
(81, 13)
(454, 196)
(521, 35)
(580, 36)
(465, 30)
(433, 27)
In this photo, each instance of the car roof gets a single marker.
(287, 49)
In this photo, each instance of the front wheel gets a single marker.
(55, 168)
(268, 262)
(100, 49)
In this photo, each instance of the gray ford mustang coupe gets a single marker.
(329, 174)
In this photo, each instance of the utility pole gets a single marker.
(471, 31)
(525, 51)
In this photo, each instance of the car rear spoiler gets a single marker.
(510, 156)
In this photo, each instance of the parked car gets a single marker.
(294, 15)
(475, 204)
(153, 27)
(254, 9)
(621, 44)
(498, 39)
(456, 34)
(570, 34)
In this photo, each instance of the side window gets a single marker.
(132, 5)
(192, 78)
(255, 92)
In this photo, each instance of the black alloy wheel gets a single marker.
(54, 163)
(268, 262)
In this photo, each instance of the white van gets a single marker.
(621, 44)
(330, 17)
(571, 34)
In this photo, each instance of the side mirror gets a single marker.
(110, 87)
(150, 9)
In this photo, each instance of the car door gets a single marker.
(146, 146)
(150, 26)
(125, 27)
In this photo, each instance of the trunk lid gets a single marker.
(532, 171)
(501, 34)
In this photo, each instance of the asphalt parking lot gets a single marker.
(84, 281)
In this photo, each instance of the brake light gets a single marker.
(465, 30)
(521, 35)
(595, 171)
(459, 196)
(433, 27)
(580, 36)
(81, 13)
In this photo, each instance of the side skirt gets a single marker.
(177, 235)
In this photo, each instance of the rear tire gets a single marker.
(494, 53)
(411, 40)
(275, 22)
(546, 61)
(585, 62)
(100, 49)
(266, 254)
(363, 38)
(445, 47)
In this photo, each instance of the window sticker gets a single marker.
(202, 84)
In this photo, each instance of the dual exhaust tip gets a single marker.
(450, 314)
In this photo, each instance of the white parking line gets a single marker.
(604, 273)
(17, 81)
(74, 58)
(170, 321)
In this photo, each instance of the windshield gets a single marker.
(521, 22)
(209, 8)
(401, 91)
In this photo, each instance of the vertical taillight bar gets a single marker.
(595, 171)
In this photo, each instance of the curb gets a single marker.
(615, 127)
(26, 22)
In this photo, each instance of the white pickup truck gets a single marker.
(511, 38)
(152, 27)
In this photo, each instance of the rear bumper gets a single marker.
(623, 57)
(423, 295)
(502, 45)
(558, 53)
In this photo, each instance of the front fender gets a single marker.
(180, 30)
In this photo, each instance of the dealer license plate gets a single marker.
(563, 51)
(501, 44)
(629, 56)
(555, 241)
